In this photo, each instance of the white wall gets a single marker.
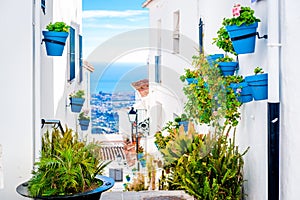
(252, 130)
(169, 92)
(289, 95)
(33, 85)
(16, 136)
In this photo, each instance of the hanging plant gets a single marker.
(211, 100)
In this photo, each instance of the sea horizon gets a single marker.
(116, 77)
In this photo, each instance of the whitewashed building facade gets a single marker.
(177, 37)
(35, 86)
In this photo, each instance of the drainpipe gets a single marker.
(273, 98)
(36, 126)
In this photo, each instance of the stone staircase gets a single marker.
(146, 195)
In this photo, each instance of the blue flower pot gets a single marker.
(143, 163)
(259, 86)
(227, 68)
(243, 37)
(245, 95)
(140, 155)
(212, 58)
(76, 104)
(84, 124)
(55, 42)
(94, 194)
(185, 125)
(191, 80)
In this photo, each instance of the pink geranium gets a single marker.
(236, 10)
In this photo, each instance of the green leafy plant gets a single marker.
(66, 166)
(78, 94)
(84, 115)
(183, 117)
(188, 74)
(206, 166)
(214, 168)
(223, 41)
(209, 101)
(241, 15)
(225, 59)
(258, 70)
(58, 27)
(138, 183)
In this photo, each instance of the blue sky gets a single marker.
(104, 19)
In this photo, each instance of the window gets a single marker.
(157, 69)
(176, 32)
(80, 58)
(72, 54)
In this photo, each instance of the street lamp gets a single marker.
(133, 117)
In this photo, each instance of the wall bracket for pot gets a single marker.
(56, 124)
(261, 37)
(248, 36)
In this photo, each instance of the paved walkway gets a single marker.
(146, 195)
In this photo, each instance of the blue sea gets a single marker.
(116, 77)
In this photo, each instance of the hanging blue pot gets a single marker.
(55, 42)
(191, 80)
(76, 104)
(243, 37)
(227, 68)
(212, 58)
(185, 125)
(259, 86)
(140, 155)
(84, 124)
(143, 162)
(245, 93)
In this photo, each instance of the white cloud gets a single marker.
(112, 26)
(112, 13)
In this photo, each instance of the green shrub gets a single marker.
(66, 166)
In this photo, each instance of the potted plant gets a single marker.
(240, 88)
(55, 38)
(140, 152)
(182, 120)
(213, 57)
(67, 169)
(76, 100)
(242, 29)
(208, 101)
(227, 66)
(190, 76)
(143, 162)
(258, 84)
(127, 178)
(84, 120)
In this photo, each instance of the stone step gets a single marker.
(146, 195)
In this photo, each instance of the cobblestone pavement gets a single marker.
(146, 195)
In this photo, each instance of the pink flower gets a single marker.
(215, 113)
(238, 90)
(236, 10)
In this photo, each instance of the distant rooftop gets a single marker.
(142, 86)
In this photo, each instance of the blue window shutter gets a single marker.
(80, 59)
(157, 69)
(72, 54)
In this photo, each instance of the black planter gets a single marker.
(95, 194)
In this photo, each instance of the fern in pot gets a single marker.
(67, 169)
